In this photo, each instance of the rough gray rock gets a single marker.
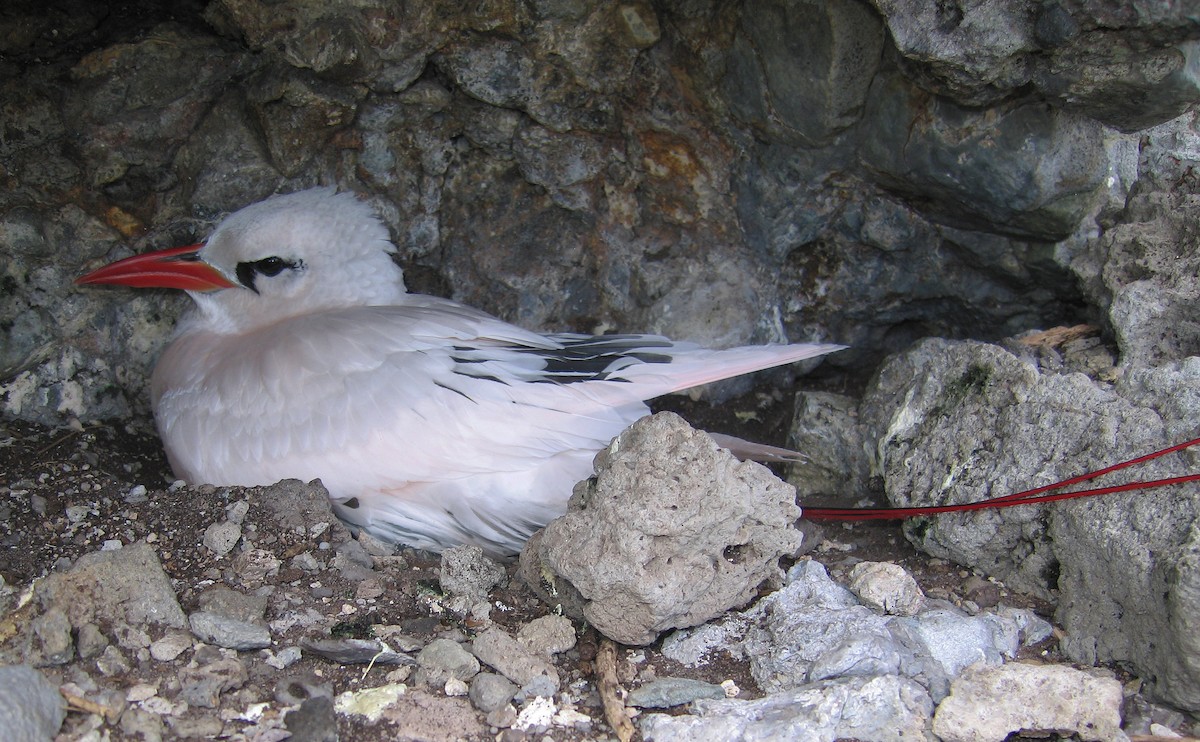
(232, 633)
(814, 629)
(816, 620)
(496, 648)
(490, 691)
(991, 703)
(939, 401)
(843, 44)
(466, 572)
(233, 604)
(170, 646)
(672, 532)
(1140, 270)
(879, 709)
(443, 659)
(30, 705)
(53, 644)
(958, 422)
(944, 641)
(547, 635)
(1030, 170)
(313, 721)
(203, 685)
(222, 536)
(1088, 56)
(122, 587)
(826, 430)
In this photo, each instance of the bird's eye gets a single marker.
(272, 266)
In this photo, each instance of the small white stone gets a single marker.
(220, 538)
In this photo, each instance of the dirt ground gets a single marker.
(67, 492)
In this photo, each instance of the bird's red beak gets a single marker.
(174, 268)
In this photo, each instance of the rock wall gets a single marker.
(723, 171)
(726, 171)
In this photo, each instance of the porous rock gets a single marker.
(672, 532)
(991, 703)
(467, 572)
(886, 587)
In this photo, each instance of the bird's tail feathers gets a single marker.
(694, 368)
(751, 451)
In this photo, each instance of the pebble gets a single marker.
(539, 685)
(510, 658)
(52, 630)
(203, 686)
(667, 692)
(466, 572)
(490, 692)
(231, 633)
(306, 561)
(30, 705)
(220, 538)
(236, 513)
(503, 717)
(313, 721)
(548, 635)
(443, 659)
(111, 662)
(284, 658)
(233, 604)
(136, 495)
(170, 646)
(253, 566)
(887, 588)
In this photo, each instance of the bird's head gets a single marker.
(282, 257)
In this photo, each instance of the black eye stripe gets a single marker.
(247, 272)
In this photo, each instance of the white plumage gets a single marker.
(430, 423)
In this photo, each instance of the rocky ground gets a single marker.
(272, 620)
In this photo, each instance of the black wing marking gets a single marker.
(580, 358)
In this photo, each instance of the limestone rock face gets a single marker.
(722, 172)
(965, 421)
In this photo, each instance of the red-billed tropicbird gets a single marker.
(430, 423)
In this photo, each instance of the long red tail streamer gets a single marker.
(1045, 493)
